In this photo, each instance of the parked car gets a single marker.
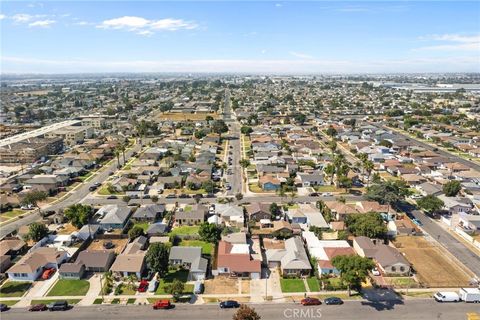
(210, 195)
(108, 245)
(38, 307)
(143, 286)
(183, 196)
(162, 304)
(47, 273)
(417, 222)
(375, 272)
(229, 304)
(153, 285)
(112, 197)
(314, 194)
(171, 196)
(446, 296)
(92, 188)
(310, 302)
(58, 306)
(333, 300)
(3, 307)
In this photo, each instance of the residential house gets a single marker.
(113, 216)
(310, 179)
(95, 260)
(257, 211)
(32, 264)
(389, 260)
(132, 260)
(149, 212)
(191, 215)
(235, 260)
(191, 259)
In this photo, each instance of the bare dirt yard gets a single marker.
(433, 265)
(118, 245)
(221, 285)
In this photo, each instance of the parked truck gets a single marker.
(469, 294)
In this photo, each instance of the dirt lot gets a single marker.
(221, 285)
(118, 245)
(185, 116)
(433, 266)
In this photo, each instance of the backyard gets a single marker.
(14, 289)
(206, 246)
(184, 230)
(67, 287)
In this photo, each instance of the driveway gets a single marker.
(41, 288)
(93, 291)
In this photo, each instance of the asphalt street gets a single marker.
(398, 310)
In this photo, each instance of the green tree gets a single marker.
(353, 270)
(135, 232)
(388, 192)
(157, 258)
(219, 127)
(274, 209)
(385, 143)
(246, 130)
(208, 186)
(78, 214)
(430, 203)
(33, 197)
(452, 188)
(175, 288)
(210, 232)
(37, 231)
(331, 131)
(246, 313)
(244, 163)
(369, 225)
(239, 196)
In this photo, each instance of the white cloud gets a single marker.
(82, 23)
(2, 16)
(263, 51)
(451, 42)
(42, 23)
(22, 18)
(278, 5)
(144, 26)
(300, 55)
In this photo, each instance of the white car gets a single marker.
(375, 272)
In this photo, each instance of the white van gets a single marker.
(447, 296)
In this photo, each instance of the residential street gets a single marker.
(398, 309)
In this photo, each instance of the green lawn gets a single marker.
(206, 246)
(14, 289)
(98, 301)
(124, 289)
(333, 284)
(313, 284)
(292, 285)
(47, 301)
(143, 225)
(9, 302)
(67, 287)
(185, 230)
(131, 301)
(12, 213)
(181, 275)
(116, 301)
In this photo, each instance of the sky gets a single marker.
(250, 37)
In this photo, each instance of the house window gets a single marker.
(394, 269)
(402, 268)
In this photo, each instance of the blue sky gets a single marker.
(227, 36)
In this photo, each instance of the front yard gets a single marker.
(206, 246)
(313, 284)
(10, 214)
(124, 289)
(14, 289)
(181, 275)
(67, 287)
(292, 285)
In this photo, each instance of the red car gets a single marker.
(47, 273)
(162, 304)
(310, 302)
(38, 307)
(143, 286)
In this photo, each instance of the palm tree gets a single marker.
(368, 168)
(330, 171)
(123, 147)
(117, 154)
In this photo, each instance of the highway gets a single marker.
(398, 310)
(454, 246)
(73, 198)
